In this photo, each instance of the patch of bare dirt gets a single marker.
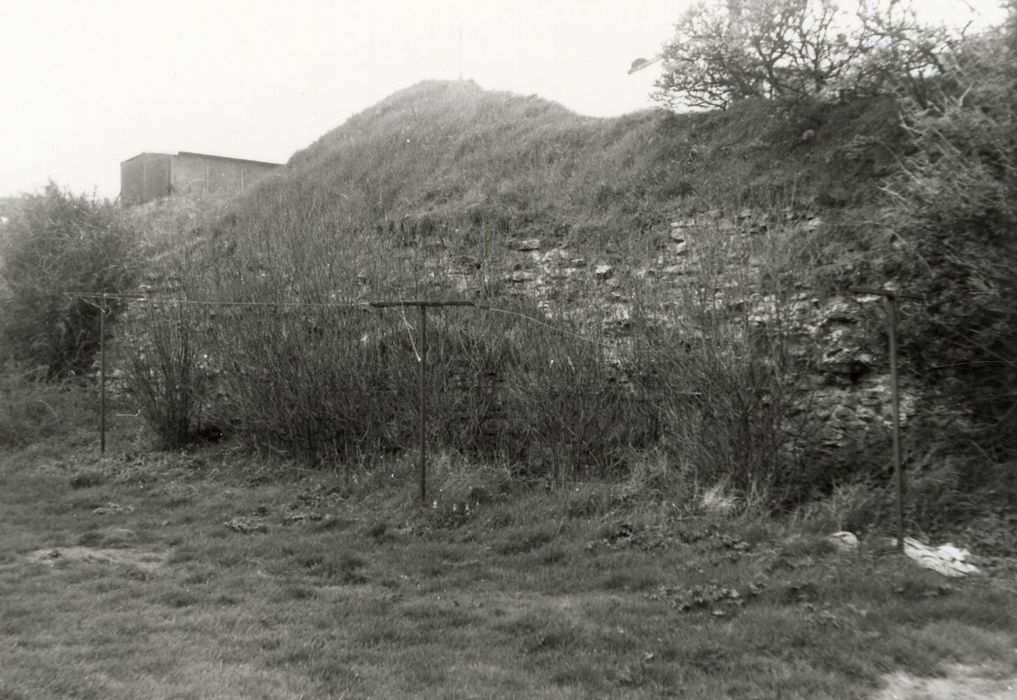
(961, 683)
(137, 559)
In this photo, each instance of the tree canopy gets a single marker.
(791, 50)
(59, 244)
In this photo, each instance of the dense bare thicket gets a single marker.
(166, 367)
(954, 210)
(293, 357)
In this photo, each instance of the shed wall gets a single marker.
(197, 174)
(150, 176)
(145, 177)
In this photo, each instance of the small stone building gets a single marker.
(149, 176)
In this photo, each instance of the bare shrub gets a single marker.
(326, 385)
(569, 396)
(727, 410)
(727, 366)
(166, 369)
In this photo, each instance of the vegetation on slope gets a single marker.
(602, 426)
(447, 191)
(954, 214)
(434, 193)
(452, 156)
(601, 335)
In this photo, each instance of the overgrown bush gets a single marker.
(954, 208)
(300, 364)
(293, 357)
(60, 245)
(574, 401)
(165, 368)
(734, 395)
(323, 384)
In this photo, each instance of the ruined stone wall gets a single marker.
(837, 340)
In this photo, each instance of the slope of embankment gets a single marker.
(712, 254)
(451, 156)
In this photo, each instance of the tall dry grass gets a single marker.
(33, 411)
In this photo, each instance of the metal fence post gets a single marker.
(898, 460)
(891, 296)
(102, 375)
(423, 404)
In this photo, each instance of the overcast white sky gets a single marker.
(85, 84)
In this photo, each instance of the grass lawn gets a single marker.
(204, 575)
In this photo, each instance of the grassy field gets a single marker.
(215, 574)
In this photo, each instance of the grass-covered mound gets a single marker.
(657, 281)
(451, 157)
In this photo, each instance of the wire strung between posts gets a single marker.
(351, 305)
(955, 341)
(369, 305)
(539, 322)
(348, 305)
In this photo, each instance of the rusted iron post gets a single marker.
(422, 407)
(890, 296)
(898, 467)
(102, 375)
(423, 404)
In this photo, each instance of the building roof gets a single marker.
(204, 155)
(235, 160)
